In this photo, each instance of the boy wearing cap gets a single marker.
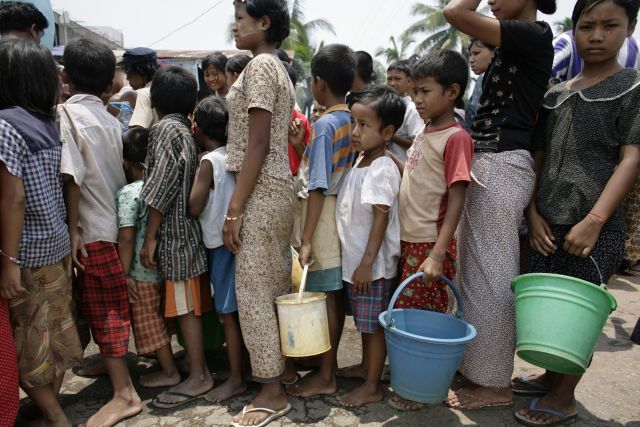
(140, 64)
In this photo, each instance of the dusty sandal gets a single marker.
(533, 409)
(273, 415)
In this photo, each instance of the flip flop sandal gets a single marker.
(524, 387)
(533, 409)
(166, 405)
(483, 403)
(395, 405)
(274, 415)
(292, 382)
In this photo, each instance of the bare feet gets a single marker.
(312, 385)
(228, 389)
(192, 386)
(91, 368)
(402, 404)
(160, 379)
(476, 397)
(366, 393)
(115, 411)
(354, 371)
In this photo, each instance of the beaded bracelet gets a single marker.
(233, 218)
(13, 259)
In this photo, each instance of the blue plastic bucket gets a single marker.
(425, 347)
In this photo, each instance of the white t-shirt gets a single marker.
(411, 127)
(92, 155)
(378, 184)
(143, 115)
(212, 218)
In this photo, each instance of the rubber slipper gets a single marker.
(274, 415)
(395, 405)
(533, 409)
(474, 399)
(292, 382)
(531, 388)
(166, 405)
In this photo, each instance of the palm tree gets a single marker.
(563, 26)
(431, 21)
(393, 52)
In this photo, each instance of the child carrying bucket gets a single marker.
(434, 182)
(369, 228)
(587, 158)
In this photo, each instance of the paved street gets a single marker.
(609, 394)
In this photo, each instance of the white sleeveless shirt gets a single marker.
(212, 218)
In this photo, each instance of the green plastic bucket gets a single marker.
(558, 320)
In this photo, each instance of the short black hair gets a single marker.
(278, 13)
(20, 16)
(237, 63)
(446, 66)
(485, 44)
(582, 6)
(293, 76)
(211, 115)
(336, 65)
(147, 70)
(174, 90)
(387, 104)
(365, 66)
(134, 144)
(89, 65)
(28, 77)
(217, 60)
(402, 65)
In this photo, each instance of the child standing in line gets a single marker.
(399, 79)
(433, 188)
(234, 67)
(488, 236)
(209, 200)
(587, 159)
(35, 266)
(326, 159)
(213, 67)
(92, 168)
(369, 228)
(172, 160)
(146, 287)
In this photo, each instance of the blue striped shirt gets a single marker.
(567, 62)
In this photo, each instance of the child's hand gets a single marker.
(296, 133)
(10, 286)
(231, 234)
(77, 245)
(431, 268)
(362, 278)
(132, 287)
(304, 254)
(541, 236)
(582, 238)
(147, 253)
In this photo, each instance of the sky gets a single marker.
(362, 24)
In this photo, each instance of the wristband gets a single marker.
(233, 218)
(11, 258)
(596, 218)
(435, 259)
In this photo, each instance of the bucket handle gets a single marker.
(459, 314)
(602, 284)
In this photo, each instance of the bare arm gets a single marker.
(72, 201)
(403, 141)
(126, 246)
(257, 149)
(582, 238)
(200, 190)
(148, 251)
(462, 15)
(399, 163)
(362, 275)
(314, 209)
(432, 266)
(541, 236)
(12, 200)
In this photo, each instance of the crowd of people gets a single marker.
(134, 199)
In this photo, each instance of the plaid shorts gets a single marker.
(104, 300)
(367, 307)
(150, 328)
(423, 295)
